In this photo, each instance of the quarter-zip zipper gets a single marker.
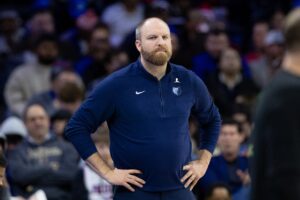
(162, 102)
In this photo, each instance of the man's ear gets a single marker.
(138, 45)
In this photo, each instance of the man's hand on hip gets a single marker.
(196, 169)
(125, 178)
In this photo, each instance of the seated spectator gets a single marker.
(229, 82)
(32, 78)
(264, 68)
(218, 192)
(15, 131)
(259, 32)
(130, 11)
(69, 97)
(207, 62)
(229, 167)
(42, 162)
(75, 41)
(92, 66)
(58, 79)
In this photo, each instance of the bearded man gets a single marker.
(147, 106)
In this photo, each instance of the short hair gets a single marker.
(24, 116)
(140, 25)
(138, 29)
(70, 92)
(230, 121)
(292, 31)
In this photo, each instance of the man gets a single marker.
(276, 164)
(147, 106)
(229, 167)
(32, 78)
(42, 162)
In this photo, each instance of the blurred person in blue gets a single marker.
(229, 167)
(276, 165)
(147, 106)
(41, 161)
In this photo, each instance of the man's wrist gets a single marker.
(204, 156)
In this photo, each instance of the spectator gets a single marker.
(264, 68)
(218, 192)
(42, 162)
(229, 167)
(130, 11)
(58, 79)
(229, 82)
(91, 66)
(75, 41)
(32, 78)
(216, 41)
(14, 131)
(259, 32)
(59, 121)
(11, 32)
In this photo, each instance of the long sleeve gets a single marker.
(22, 173)
(98, 107)
(207, 114)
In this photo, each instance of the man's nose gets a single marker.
(161, 41)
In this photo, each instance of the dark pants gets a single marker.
(122, 193)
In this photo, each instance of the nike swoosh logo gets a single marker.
(138, 93)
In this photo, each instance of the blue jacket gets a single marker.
(222, 171)
(148, 122)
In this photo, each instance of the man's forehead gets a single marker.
(155, 26)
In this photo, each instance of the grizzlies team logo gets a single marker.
(177, 91)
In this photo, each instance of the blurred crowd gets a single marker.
(53, 52)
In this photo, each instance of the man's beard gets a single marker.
(157, 57)
(46, 60)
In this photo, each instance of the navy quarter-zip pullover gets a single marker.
(148, 122)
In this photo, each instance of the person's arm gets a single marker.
(22, 173)
(14, 91)
(209, 120)
(115, 176)
(98, 107)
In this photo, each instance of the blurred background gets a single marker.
(53, 52)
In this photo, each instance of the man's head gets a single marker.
(41, 22)
(230, 62)
(46, 48)
(216, 41)
(292, 31)
(14, 131)
(230, 139)
(153, 41)
(99, 45)
(259, 32)
(218, 192)
(37, 122)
